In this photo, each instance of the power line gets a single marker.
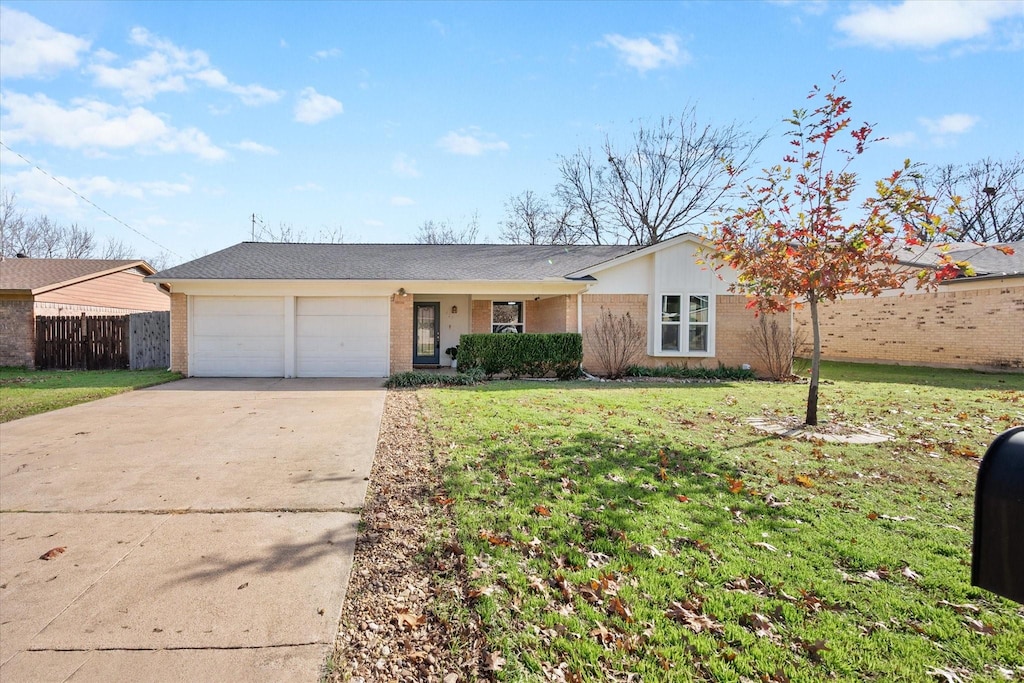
(87, 200)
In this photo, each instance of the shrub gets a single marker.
(722, 372)
(774, 346)
(617, 342)
(431, 379)
(522, 355)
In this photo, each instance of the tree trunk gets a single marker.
(812, 390)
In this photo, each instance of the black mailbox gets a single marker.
(998, 561)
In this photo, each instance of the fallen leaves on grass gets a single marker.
(494, 661)
(688, 613)
(978, 626)
(542, 510)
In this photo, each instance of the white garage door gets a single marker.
(341, 336)
(237, 336)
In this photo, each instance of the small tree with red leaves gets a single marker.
(793, 241)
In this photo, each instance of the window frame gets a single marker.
(684, 324)
(521, 325)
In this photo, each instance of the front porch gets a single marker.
(425, 325)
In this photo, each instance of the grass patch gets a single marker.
(622, 528)
(30, 392)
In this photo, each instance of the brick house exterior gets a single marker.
(258, 309)
(67, 287)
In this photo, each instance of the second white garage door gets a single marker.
(341, 336)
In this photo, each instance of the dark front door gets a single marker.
(426, 331)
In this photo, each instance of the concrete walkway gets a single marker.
(208, 527)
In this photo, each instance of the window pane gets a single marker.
(698, 309)
(670, 307)
(670, 337)
(505, 313)
(698, 337)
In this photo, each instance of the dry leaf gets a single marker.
(682, 499)
(542, 510)
(910, 573)
(872, 516)
(804, 481)
(814, 649)
(735, 485)
(959, 609)
(767, 546)
(620, 609)
(408, 620)
(979, 626)
(947, 675)
(244, 585)
(53, 553)
(686, 612)
(494, 661)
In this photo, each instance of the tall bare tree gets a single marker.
(672, 176)
(288, 233)
(583, 196)
(991, 204)
(444, 232)
(529, 219)
(39, 237)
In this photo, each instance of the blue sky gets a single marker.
(184, 119)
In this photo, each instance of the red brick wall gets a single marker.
(179, 333)
(552, 315)
(401, 333)
(979, 328)
(17, 333)
(732, 321)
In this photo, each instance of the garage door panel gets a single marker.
(237, 337)
(341, 336)
(240, 326)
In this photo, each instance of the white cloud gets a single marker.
(95, 126)
(32, 48)
(169, 68)
(405, 167)
(321, 55)
(313, 107)
(402, 201)
(904, 139)
(644, 55)
(471, 142)
(307, 187)
(950, 124)
(254, 147)
(924, 24)
(438, 26)
(41, 191)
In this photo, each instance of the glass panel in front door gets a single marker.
(425, 342)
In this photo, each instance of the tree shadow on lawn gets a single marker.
(629, 500)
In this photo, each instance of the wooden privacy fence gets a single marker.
(109, 342)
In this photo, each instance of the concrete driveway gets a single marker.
(208, 527)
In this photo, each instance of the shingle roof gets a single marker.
(37, 273)
(496, 262)
(985, 259)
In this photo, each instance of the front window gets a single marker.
(695, 336)
(507, 316)
(698, 333)
(670, 308)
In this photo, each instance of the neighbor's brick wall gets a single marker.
(17, 333)
(401, 333)
(179, 333)
(981, 328)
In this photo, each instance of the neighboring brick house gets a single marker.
(322, 310)
(974, 322)
(31, 287)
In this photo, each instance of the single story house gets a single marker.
(31, 287)
(349, 310)
(972, 322)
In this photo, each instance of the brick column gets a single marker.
(18, 332)
(401, 333)
(179, 333)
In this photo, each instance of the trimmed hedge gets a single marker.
(402, 380)
(522, 355)
(722, 372)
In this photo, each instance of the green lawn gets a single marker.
(636, 528)
(29, 392)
